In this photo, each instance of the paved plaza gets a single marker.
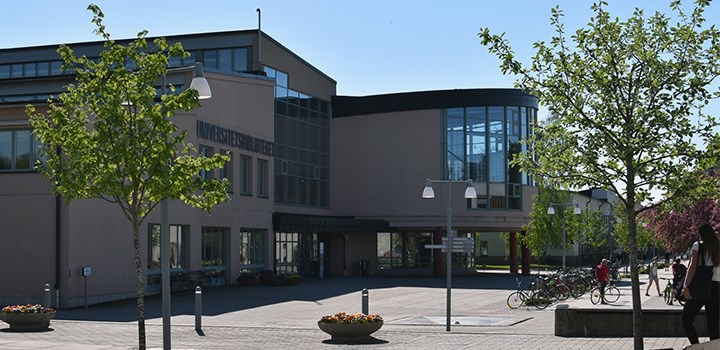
(285, 317)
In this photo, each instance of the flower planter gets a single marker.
(350, 332)
(27, 322)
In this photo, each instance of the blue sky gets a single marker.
(367, 46)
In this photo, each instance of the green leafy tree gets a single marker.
(623, 94)
(596, 238)
(544, 231)
(116, 140)
(645, 236)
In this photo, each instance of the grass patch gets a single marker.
(507, 267)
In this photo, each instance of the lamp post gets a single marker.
(551, 211)
(428, 192)
(200, 84)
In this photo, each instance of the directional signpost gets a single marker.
(459, 245)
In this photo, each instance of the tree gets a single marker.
(544, 231)
(116, 141)
(623, 95)
(676, 230)
(644, 234)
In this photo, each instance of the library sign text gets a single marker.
(232, 138)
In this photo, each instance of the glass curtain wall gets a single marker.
(481, 142)
(302, 145)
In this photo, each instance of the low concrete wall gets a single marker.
(610, 322)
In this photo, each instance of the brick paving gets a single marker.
(264, 317)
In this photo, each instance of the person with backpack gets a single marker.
(702, 285)
(678, 269)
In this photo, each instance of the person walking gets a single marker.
(653, 276)
(702, 285)
(601, 274)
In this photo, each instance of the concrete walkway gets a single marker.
(285, 317)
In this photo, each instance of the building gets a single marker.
(321, 185)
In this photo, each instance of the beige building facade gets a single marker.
(321, 185)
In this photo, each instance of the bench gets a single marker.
(612, 322)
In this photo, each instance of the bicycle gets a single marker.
(612, 294)
(669, 293)
(527, 296)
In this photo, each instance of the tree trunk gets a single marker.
(630, 217)
(635, 280)
(140, 287)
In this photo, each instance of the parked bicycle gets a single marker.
(670, 292)
(530, 296)
(612, 294)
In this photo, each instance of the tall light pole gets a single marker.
(200, 84)
(551, 211)
(428, 192)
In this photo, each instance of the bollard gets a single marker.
(47, 295)
(365, 301)
(198, 309)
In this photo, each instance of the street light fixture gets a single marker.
(428, 192)
(551, 211)
(200, 84)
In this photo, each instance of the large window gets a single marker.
(296, 253)
(252, 248)
(177, 254)
(18, 150)
(481, 142)
(514, 174)
(213, 243)
(228, 60)
(30, 69)
(404, 250)
(302, 145)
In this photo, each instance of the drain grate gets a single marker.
(484, 321)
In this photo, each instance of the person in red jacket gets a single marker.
(601, 274)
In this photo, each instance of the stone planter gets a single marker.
(350, 332)
(292, 280)
(28, 322)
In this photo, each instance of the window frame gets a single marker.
(33, 152)
(181, 233)
(263, 173)
(245, 173)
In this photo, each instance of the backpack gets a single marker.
(681, 270)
